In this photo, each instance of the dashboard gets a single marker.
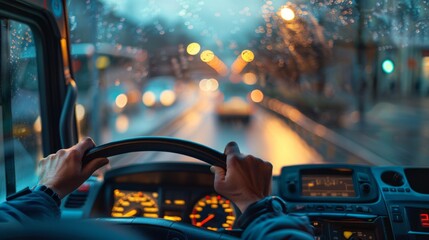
(342, 201)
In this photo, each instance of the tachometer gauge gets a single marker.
(213, 212)
(134, 204)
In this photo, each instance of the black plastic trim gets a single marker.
(6, 108)
(67, 119)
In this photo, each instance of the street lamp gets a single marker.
(287, 14)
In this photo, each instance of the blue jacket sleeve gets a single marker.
(32, 206)
(279, 226)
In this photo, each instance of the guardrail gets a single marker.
(332, 146)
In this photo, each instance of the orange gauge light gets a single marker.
(213, 212)
(134, 204)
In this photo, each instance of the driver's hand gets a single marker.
(247, 179)
(63, 171)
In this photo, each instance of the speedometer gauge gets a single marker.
(213, 212)
(134, 204)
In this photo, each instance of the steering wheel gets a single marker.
(158, 144)
(160, 228)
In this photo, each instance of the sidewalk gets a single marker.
(394, 129)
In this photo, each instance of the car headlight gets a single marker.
(149, 99)
(167, 98)
(121, 100)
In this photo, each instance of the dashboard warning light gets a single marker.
(424, 220)
(347, 234)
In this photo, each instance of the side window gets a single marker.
(25, 144)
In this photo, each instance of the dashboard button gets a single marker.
(320, 208)
(400, 190)
(363, 209)
(393, 189)
(339, 208)
(299, 207)
(385, 189)
(397, 217)
(349, 208)
(407, 190)
(363, 177)
(395, 209)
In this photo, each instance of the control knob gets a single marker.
(365, 187)
(291, 187)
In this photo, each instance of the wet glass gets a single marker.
(330, 81)
(26, 123)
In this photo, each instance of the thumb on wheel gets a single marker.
(232, 148)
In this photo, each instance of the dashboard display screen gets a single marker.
(327, 185)
(419, 219)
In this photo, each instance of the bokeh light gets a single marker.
(207, 56)
(149, 99)
(209, 85)
(121, 100)
(249, 78)
(193, 48)
(247, 55)
(122, 123)
(37, 126)
(287, 14)
(388, 66)
(167, 98)
(257, 96)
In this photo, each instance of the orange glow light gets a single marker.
(149, 99)
(167, 98)
(122, 123)
(257, 96)
(121, 100)
(249, 78)
(238, 65)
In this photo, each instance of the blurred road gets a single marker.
(266, 136)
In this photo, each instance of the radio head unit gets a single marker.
(338, 183)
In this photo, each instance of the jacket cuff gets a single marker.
(271, 204)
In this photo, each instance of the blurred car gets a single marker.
(234, 102)
(159, 91)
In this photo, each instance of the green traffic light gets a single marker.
(388, 66)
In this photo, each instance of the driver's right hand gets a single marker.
(245, 180)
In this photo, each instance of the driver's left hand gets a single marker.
(63, 171)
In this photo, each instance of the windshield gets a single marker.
(312, 81)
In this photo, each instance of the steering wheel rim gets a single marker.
(158, 144)
(165, 144)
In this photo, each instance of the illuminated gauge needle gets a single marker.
(131, 213)
(210, 217)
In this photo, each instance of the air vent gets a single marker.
(392, 178)
(76, 199)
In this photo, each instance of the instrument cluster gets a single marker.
(210, 211)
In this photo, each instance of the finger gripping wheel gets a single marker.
(158, 144)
